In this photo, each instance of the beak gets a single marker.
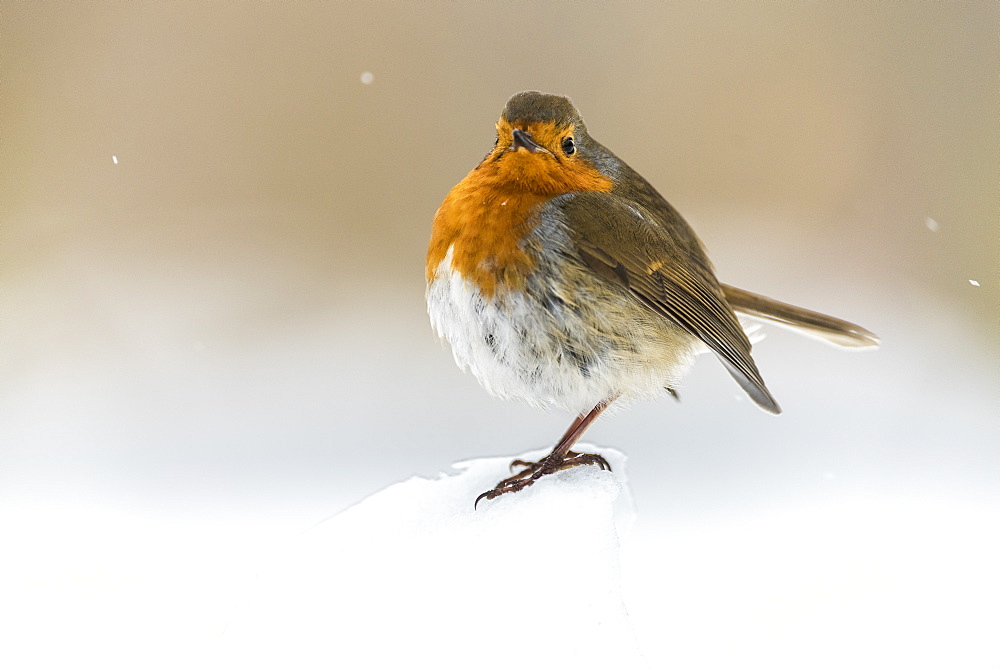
(524, 140)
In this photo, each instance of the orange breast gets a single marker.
(482, 227)
(484, 217)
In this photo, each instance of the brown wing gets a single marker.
(632, 246)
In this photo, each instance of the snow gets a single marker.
(864, 582)
(561, 574)
(413, 572)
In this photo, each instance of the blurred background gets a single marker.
(214, 218)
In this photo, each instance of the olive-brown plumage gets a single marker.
(561, 277)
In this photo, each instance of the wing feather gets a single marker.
(667, 271)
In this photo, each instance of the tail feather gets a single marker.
(827, 328)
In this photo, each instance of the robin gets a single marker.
(562, 278)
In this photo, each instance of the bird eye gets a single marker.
(569, 146)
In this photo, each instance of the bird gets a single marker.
(561, 278)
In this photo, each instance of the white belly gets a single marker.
(555, 347)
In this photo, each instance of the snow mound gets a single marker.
(414, 573)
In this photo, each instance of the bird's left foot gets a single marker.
(532, 471)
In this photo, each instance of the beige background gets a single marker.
(229, 322)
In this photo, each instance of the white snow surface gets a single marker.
(414, 574)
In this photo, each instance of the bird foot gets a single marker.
(532, 471)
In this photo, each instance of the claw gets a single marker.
(502, 488)
(535, 470)
(591, 459)
(561, 457)
(486, 494)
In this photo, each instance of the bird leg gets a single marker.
(560, 458)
